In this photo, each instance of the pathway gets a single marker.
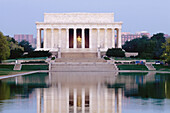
(150, 67)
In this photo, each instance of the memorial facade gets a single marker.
(78, 32)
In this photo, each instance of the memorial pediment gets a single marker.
(79, 17)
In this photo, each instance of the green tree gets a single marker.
(115, 52)
(4, 47)
(26, 45)
(166, 52)
(147, 48)
(16, 51)
(159, 40)
(135, 45)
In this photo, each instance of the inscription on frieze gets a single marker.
(79, 18)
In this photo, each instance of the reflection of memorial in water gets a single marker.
(78, 92)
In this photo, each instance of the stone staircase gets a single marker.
(115, 67)
(150, 67)
(79, 55)
(17, 67)
(82, 65)
(80, 60)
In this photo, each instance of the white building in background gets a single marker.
(78, 32)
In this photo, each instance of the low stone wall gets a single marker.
(129, 54)
(128, 61)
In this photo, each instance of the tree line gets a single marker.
(10, 48)
(155, 47)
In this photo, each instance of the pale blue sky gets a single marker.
(19, 16)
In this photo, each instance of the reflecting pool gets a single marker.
(86, 92)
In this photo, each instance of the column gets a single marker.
(83, 38)
(38, 101)
(113, 101)
(52, 38)
(119, 39)
(45, 38)
(67, 41)
(113, 38)
(83, 100)
(75, 100)
(98, 38)
(59, 45)
(106, 39)
(38, 39)
(119, 101)
(90, 37)
(75, 38)
(98, 52)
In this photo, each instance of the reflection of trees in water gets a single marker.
(167, 89)
(9, 91)
(152, 90)
(158, 88)
(21, 86)
(4, 91)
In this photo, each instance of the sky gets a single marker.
(19, 16)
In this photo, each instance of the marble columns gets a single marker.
(51, 40)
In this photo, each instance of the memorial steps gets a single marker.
(17, 67)
(79, 55)
(82, 65)
(81, 60)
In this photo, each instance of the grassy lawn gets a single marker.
(4, 73)
(34, 67)
(8, 69)
(132, 67)
(161, 67)
(127, 58)
(163, 74)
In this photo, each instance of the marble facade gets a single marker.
(85, 32)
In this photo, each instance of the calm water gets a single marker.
(86, 92)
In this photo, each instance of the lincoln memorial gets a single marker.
(88, 33)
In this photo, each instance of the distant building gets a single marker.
(27, 37)
(127, 36)
(166, 36)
